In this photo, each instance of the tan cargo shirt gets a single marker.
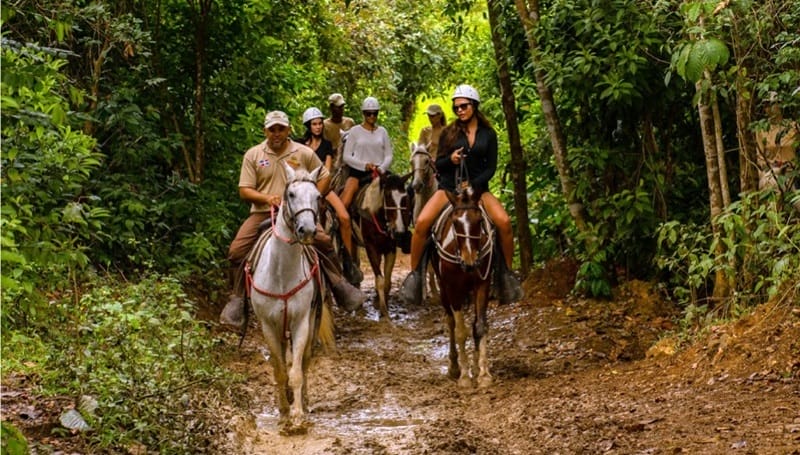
(333, 131)
(262, 169)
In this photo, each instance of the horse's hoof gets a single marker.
(454, 373)
(485, 381)
(465, 383)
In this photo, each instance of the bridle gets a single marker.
(430, 164)
(486, 251)
(289, 215)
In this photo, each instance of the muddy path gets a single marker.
(570, 376)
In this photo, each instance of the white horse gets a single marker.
(424, 184)
(283, 290)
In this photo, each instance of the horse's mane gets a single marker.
(393, 181)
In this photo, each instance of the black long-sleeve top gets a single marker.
(481, 160)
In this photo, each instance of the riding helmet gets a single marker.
(466, 91)
(310, 114)
(370, 104)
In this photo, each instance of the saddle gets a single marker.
(254, 256)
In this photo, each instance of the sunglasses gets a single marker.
(370, 113)
(461, 107)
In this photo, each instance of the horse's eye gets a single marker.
(291, 194)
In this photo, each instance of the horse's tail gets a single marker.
(325, 333)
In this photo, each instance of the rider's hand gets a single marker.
(455, 157)
(274, 200)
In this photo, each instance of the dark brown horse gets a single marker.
(463, 264)
(384, 232)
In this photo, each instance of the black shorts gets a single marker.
(359, 174)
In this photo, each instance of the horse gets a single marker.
(462, 261)
(383, 231)
(284, 290)
(424, 184)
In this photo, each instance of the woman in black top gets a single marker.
(313, 120)
(470, 138)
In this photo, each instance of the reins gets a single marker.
(285, 296)
(487, 249)
(288, 218)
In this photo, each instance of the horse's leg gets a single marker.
(388, 266)
(273, 336)
(464, 379)
(301, 333)
(480, 336)
(375, 263)
(453, 371)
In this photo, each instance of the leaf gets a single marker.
(73, 420)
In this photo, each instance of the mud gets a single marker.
(570, 376)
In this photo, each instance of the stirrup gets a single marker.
(411, 289)
(510, 290)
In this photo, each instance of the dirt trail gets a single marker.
(570, 377)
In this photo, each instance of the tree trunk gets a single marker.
(707, 127)
(202, 12)
(723, 167)
(748, 170)
(518, 163)
(529, 15)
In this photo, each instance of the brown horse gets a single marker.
(384, 232)
(463, 265)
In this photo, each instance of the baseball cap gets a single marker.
(434, 109)
(276, 118)
(336, 99)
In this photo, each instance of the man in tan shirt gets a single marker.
(262, 181)
(332, 129)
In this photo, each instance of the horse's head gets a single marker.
(422, 166)
(470, 234)
(396, 204)
(301, 203)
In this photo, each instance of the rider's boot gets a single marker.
(347, 297)
(411, 289)
(509, 289)
(353, 274)
(233, 313)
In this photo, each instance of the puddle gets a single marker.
(390, 417)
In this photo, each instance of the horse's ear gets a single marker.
(315, 174)
(470, 193)
(413, 147)
(290, 174)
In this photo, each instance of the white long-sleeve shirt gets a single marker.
(364, 146)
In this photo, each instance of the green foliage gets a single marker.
(48, 216)
(696, 57)
(13, 441)
(132, 348)
(761, 257)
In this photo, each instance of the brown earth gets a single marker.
(570, 376)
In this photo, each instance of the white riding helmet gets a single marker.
(311, 113)
(370, 104)
(466, 91)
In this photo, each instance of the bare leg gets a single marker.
(345, 228)
(349, 191)
(423, 227)
(502, 222)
